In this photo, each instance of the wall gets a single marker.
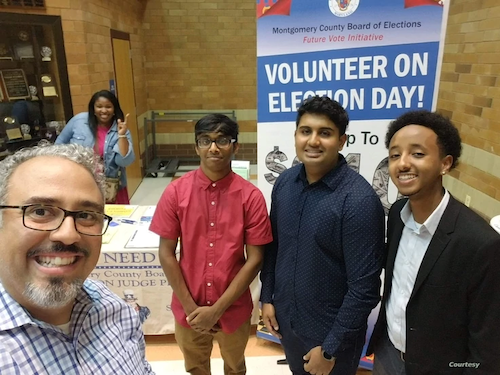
(200, 55)
(470, 95)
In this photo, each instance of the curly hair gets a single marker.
(323, 105)
(448, 137)
(83, 156)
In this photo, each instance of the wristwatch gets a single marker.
(327, 356)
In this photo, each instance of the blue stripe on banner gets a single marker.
(370, 82)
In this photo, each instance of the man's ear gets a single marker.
(446, 164)
(342, 139)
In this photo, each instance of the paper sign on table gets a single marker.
(119, 210)
(143, 237)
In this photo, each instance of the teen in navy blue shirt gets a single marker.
(321, 274)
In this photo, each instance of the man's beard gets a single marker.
(56, 294)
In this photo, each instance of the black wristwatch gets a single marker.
(327, 356)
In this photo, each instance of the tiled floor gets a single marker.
(162, 351)
(255, 366)
(261, 357)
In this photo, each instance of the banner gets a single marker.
(377, 59)
(137, 277)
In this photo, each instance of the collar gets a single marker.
(331, 178)
(432, 221)
(205, 182)
(13, 315)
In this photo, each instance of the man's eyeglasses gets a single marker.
(48, 218)
(221, 142)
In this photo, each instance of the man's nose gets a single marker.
(66, 233)
(213, 146)
(404, 162)
(314, 139)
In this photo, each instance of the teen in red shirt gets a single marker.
(217, 215)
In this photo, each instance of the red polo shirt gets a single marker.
(214, 221)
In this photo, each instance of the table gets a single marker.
(135, 274)
(495, 223)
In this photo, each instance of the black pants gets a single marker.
(388, 359)
(297, 346)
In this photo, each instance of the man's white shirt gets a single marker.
(413, 245)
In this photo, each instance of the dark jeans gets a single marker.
(297, 346)
(387, 359)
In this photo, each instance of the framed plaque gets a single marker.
(15, 84)
(48, 85)
(23, 47)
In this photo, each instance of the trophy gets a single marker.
(55, 126)
(5, 52)
(48, 85)
(46, 53)
(33, 91)
(25, 130)
(23, 35)
(23, 47)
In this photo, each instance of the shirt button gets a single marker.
(210, 264)
(211, 245)
(213, 203)
(214, 185)
(212, 224)
(208, 302)
(209, 284)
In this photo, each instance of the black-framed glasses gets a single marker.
(221, 142)
(47, 218)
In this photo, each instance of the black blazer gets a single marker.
(453, 314)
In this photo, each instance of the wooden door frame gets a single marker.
(116, 34)
(120, 35)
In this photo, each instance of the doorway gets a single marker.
(124, 81)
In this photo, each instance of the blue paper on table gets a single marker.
(147, 216)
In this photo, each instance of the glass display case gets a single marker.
(35, 99)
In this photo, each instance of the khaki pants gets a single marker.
(197, 348)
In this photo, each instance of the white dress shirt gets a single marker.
(414, 242)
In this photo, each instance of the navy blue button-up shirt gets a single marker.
(323, 267)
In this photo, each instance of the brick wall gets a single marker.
(200, 54)
(470, 95)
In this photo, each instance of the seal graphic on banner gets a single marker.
(343, 8)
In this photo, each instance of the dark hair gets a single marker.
(112, 98)
(448, 138)
(323, 105)
(216, 123)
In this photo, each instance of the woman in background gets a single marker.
(104, 128)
